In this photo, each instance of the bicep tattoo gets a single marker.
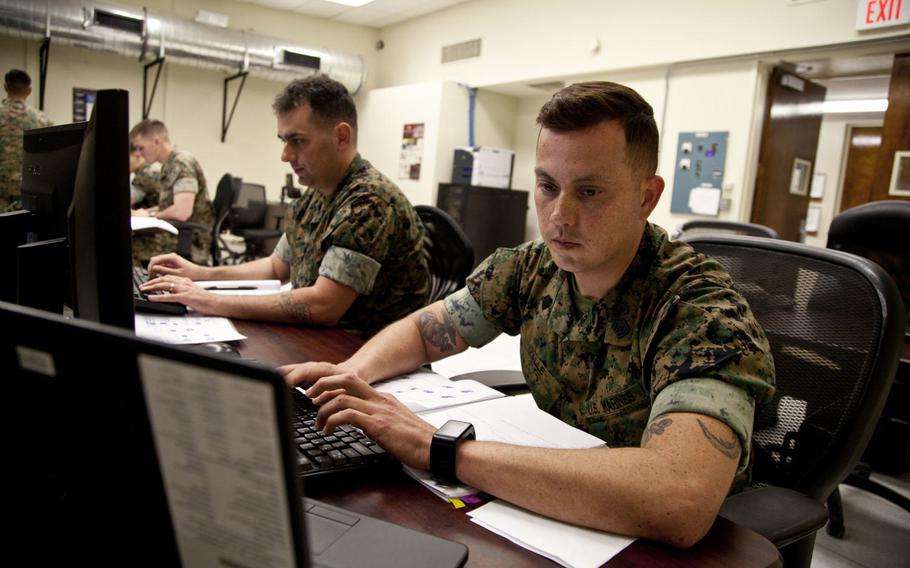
(729, 449)
(439, 334)
(299, 311)
(655, 428)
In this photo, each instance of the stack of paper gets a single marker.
(186, 329)
(565, 544)
(150, 224)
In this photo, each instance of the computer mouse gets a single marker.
(219, 348)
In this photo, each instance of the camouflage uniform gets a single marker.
(672, 336)
(146, 184)
(367, 236)
(15, 117)
(179, 173)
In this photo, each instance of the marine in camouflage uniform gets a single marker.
(672, 336)
(147, 185)
(365, 235)
(181, 172)
(15, 118)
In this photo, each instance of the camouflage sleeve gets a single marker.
(355, 270)
(186, 185)
(717, 399)
(283, 249)
(468, 318)
(495, 285)
(366, 225)
(707, 331)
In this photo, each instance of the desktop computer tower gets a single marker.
(490, 217)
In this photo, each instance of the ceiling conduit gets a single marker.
(145, 35)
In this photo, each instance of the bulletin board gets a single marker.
(699, 173)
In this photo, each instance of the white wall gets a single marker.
(697, 97)
(189, 99)
(525, 40)
(831, 160)
(440, 106)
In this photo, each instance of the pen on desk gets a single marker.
(230, 288)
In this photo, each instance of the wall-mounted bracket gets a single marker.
(146, 97)
(225, 117)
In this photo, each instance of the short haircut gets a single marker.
(150, 127)
(329, 100)
(583, 105)
(17, 81)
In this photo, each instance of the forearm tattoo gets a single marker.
(729, 449)
(299, 311)
(440, 335)
(656, 428)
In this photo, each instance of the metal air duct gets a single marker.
(136, 32)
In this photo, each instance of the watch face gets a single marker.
(452, 429)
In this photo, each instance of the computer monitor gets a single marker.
(100, 238)
(49, 160)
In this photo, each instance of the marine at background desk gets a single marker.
(395, 497)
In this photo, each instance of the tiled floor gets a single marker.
(878, 532)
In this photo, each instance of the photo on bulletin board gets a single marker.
(799, 176)
(900, 175)
(818, 186)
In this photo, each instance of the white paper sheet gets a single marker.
(511, 420)
(422, 391)
(566, 544)
(500, 354)
(704, 200)
(186, 329)
(146, 223)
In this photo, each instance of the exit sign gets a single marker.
(872, 14)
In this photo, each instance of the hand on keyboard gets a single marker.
(347, 399)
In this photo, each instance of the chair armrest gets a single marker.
(781, 515)
(507, 382)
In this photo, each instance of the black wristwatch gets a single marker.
(445, 444)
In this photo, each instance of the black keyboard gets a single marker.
(141, 303)
(345, 450)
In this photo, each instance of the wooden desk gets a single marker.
(395, 497)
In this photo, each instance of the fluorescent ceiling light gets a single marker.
(858, 105)
(352, 3)
(830, 107)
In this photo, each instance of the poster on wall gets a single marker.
(411, 151)
(83, 102)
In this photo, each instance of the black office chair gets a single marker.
(225, 195)
(877, 231)
(186, 230)
(716, 226)
(248, 219)
(835, 331)
(448, 251)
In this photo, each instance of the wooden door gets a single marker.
(862, 152)
(789, 140)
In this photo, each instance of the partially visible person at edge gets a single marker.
(145, 181)
(15, 118)
(183, 194)
(637, 340)
(353, 244)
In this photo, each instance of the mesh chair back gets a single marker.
(249, 208)
(714, 227)
(448, 250)
(835, 337)
(877, 231)
(225, 195)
